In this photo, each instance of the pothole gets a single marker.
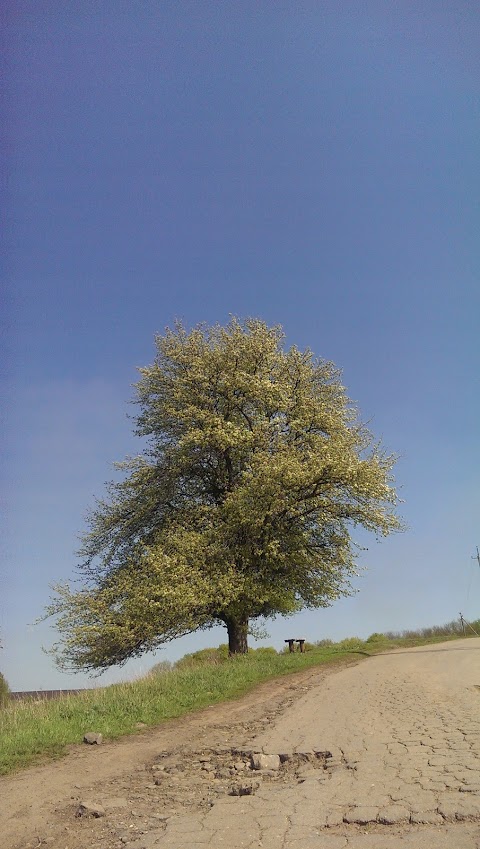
(199, 778)
(180, 781)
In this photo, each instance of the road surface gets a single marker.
(380, 755)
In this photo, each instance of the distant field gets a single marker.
(21, 695)
(40, 725)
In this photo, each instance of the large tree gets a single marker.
(255, 471)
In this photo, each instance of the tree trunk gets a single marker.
(237, 628)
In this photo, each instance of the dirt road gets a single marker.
(380, 755)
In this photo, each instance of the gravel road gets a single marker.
(380, 755)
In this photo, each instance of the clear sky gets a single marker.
(313, 164)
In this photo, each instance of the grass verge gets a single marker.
(32, 731)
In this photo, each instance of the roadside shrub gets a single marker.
(198, 658)
(449, 629)
(4, 691)
(222, 651)
(263, 650)
(375, 638)
(203, 657)
(161, 668)
(215, 656)
(454, 627)
(350, 644)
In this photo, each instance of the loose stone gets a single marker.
(92, 738)
(90, 809)
(260, 761)
(243, 789)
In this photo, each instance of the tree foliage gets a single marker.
(241, 506)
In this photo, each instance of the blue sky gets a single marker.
(312, 164)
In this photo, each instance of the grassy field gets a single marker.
(32, 731)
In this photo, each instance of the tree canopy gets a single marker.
(255, 471)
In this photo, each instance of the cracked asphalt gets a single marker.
(404, 733)
(400, 737)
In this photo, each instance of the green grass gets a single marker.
(32, 731)
(4, 691)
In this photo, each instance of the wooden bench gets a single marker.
(291, 646)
